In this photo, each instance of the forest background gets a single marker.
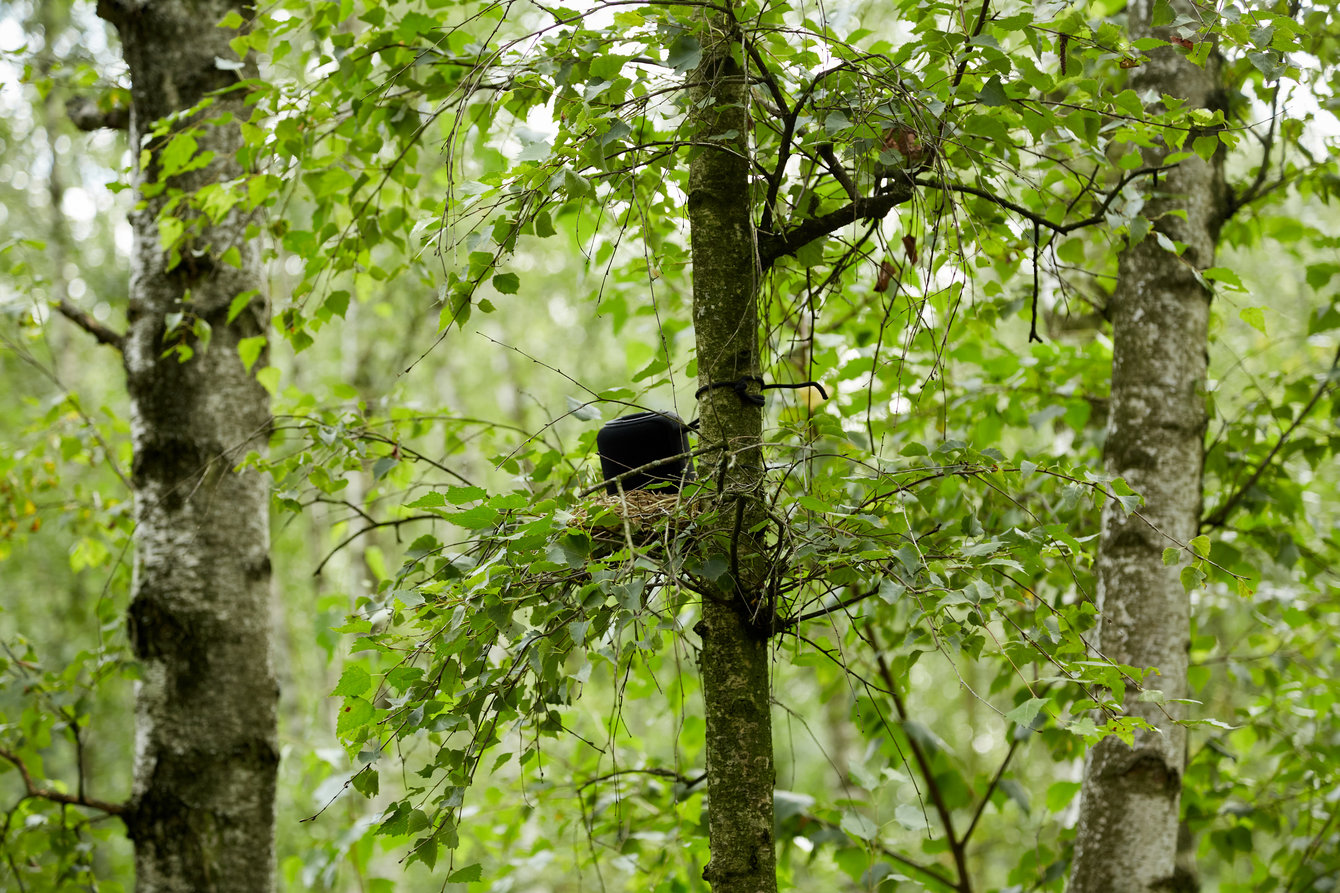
(455, 238)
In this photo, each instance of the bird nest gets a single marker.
(645, 514)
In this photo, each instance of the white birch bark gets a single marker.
(1126, 841)
(202, 809)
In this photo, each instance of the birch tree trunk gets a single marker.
(1126, 841)
(202, 810)
(735, 614)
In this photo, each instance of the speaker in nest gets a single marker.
(656, 439)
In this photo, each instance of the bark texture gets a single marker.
(202, 810)
(1126, 841)
(735, 614)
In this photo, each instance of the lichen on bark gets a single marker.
(734, 657)
(1126, 839)
(201, 815)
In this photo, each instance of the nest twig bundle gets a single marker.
(642, 515)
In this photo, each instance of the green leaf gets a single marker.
(462, 495)
(337, 303)
(1172, 555)
(685, 54)
(584, 411)
(836, 122)
(507, 283)
(354, 681)
(859, 826)
(477, 518)
(355, 714)
(367, 782)
(1224, 275)
(176, 154)
(1191, 577)
(1060, 794)
(249, 349)
(993, 93)
(466, 875)
(269, 379)
(911, 816)
(814, 505)
(1254, 317)
(1027, 712)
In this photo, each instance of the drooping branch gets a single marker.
(40, 793)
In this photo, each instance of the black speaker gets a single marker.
(633, 441)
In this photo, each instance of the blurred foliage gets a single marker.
(475, 216)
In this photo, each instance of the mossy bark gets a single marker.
(736, 616)
(202, 810)
(1126, 841)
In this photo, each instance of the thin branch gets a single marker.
(370, 527)
(956, 847)
(1220, 515)
(888, 853)
(784, 150)
(838, 171)
(995, 782)
(768, 80)
(86, 322)
(1037, 262)
(967, 42)
(1039, 219)
(824, 612)
(1258, 185)
(118, 809)
(660, 773)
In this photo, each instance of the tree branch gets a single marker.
(784, 149)
(86, 322)
(1220, 515)
(956, 847)
(837, 170)
(1039, 219)
(118, 809)
(678, 777)
(986, 797)
(370, 527)
(85, 113)
(774, 246)
(888, 853)
(968, 38)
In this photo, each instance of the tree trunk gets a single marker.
(736, 616)
(202, 810)
(1126, 840)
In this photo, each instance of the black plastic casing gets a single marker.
(632, 441)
